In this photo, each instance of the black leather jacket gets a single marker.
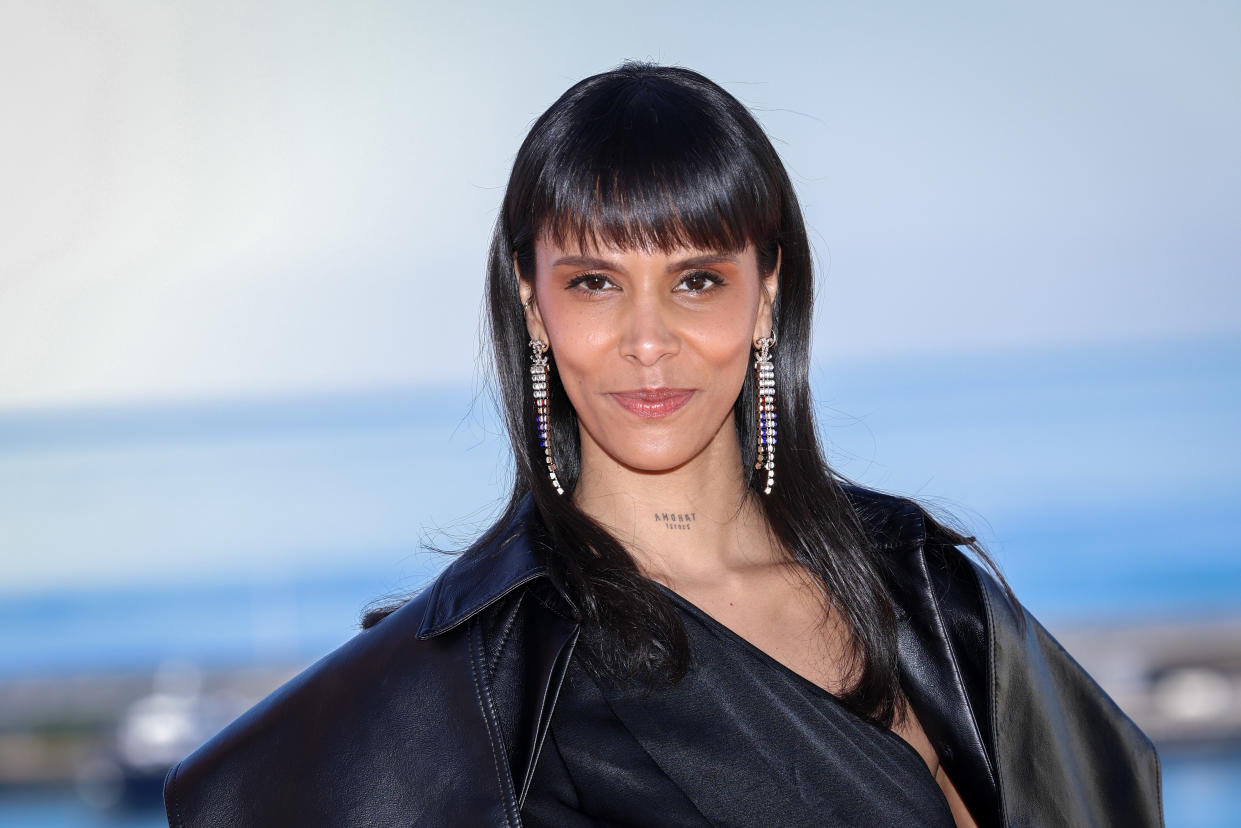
(436, 715)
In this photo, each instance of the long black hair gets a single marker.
(660, 157)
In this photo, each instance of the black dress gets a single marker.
(742, 741)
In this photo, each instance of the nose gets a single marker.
(646, 335)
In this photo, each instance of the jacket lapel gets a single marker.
(943, 646)
(519, 650)
(528, 658)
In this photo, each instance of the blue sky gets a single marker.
(230, 198)
(1025, 223)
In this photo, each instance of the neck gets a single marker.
(696, 522)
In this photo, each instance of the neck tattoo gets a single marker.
(676, 521)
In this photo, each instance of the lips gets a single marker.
(653, 402)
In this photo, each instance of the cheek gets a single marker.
(723, 341)
(576, 343)
(579, 348)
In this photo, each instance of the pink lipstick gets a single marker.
(654, 402)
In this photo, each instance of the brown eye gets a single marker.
(700, 282)
(591, 282)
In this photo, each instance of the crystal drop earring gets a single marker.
(538, 379)
(765, 373)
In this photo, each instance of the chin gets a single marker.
(653, 465)
(650, 458)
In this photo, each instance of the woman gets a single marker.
(684, 617)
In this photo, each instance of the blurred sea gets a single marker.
(1105, 481)
(221, 622)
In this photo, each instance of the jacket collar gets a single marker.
(508, 558)
(503, 561)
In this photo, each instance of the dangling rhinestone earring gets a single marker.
(765, 373)
(538, 377)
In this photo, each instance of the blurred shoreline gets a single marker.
(53, 727)
(1180, 681)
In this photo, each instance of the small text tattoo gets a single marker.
(675, 520)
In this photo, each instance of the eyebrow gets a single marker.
(705, 260)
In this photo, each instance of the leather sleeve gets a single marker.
(386, 730)
(1027, 735)
(1066, 753)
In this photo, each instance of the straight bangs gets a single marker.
(648, 171)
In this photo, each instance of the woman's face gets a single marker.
(651, 347)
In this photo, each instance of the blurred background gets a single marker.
(241, 262)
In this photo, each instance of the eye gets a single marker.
(700, 281)
(590, 282)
